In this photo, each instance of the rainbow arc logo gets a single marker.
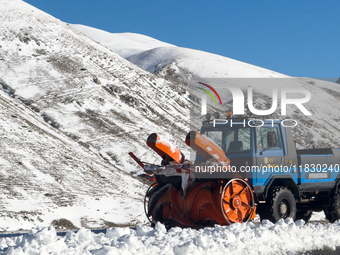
(209, 93)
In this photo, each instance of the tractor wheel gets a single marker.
(332, 210)
(280, 204)
(237, 201)
(304, 215)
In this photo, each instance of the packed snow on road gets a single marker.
(284, 237)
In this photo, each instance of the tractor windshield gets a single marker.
(234, 139)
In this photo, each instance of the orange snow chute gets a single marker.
(206, 148)
(165, 149)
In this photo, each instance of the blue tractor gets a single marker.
(287, 182)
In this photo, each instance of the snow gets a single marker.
(50, 64)
(29, 92)
(284, 237)
(153, 55)
(187, 66)
(125, 44)
(47, 176)
(199, 63)
(166, 143)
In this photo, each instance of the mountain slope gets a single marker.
(124, 44)
(169, 59)
(85, 109)
(85, 89)
(187, 67)
(199, 63)
(47, 176)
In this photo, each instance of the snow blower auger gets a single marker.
(195, 195)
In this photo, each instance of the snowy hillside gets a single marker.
(71, 112)
(48, 178)
(186, 67)
(125, 44)
(86, 90)
(158, 57)
(199, 63)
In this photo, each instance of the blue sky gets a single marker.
(294, 37)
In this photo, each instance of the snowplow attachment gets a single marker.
(178, 199)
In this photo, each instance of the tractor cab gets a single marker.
(248, 143)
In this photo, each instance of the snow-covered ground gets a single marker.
(284, 237)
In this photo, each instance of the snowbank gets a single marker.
(284, 237)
